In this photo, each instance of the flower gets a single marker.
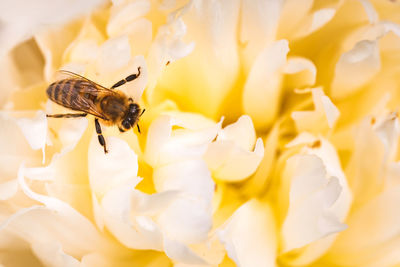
(270, 136)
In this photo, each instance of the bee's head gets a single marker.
(131, 117)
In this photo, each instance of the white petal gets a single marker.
(153, 204)
(35, 131)
(71, 132)
(382, 139)
(241, 132)
(371, 12)
(355, 68)
(302, 72)
(210, 70)
(189, 176)
(186, 220)
(261, 95)
(319, 200)
(137, 232)
(122, 16)
(56, 221)
(232, 163)
(20, 20)
(323, 117)
(308, 217)
(315, 21)
(166, 146)
(249, 236)
(107, 171)
(115, 53)
(181, 253)
(258, 26)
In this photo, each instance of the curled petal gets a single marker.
(323, 117)
(318, 196)
(249, 236)
(229, 162)
(241, 132)
(301, 71)
(55, 222)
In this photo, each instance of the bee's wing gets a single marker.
(65, 74)
(85, 103)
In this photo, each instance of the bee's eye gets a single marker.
(126, 124)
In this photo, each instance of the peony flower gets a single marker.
(270, 136)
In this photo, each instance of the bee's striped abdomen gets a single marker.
(66, 93)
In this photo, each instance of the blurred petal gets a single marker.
(53, 43)
(371, 12)
(21, 19)
(114, 54)
(356, 248)
(249, 236)
(301, 72)
(323, 117)
(181, 253)
(122, 16)
(381, 134)
(262, 90)
(8, 189)
(210, 71)
(355, 68)
(258, 27)
(51, 254)
(35, 131)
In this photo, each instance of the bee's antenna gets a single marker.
(138, 128)
(142, 112)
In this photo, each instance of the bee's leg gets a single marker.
(138, 128)
(127, 79)
(102, 141)
(67, 115)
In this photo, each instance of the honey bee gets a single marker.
(111, 107)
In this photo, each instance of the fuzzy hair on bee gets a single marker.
(108, 105)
